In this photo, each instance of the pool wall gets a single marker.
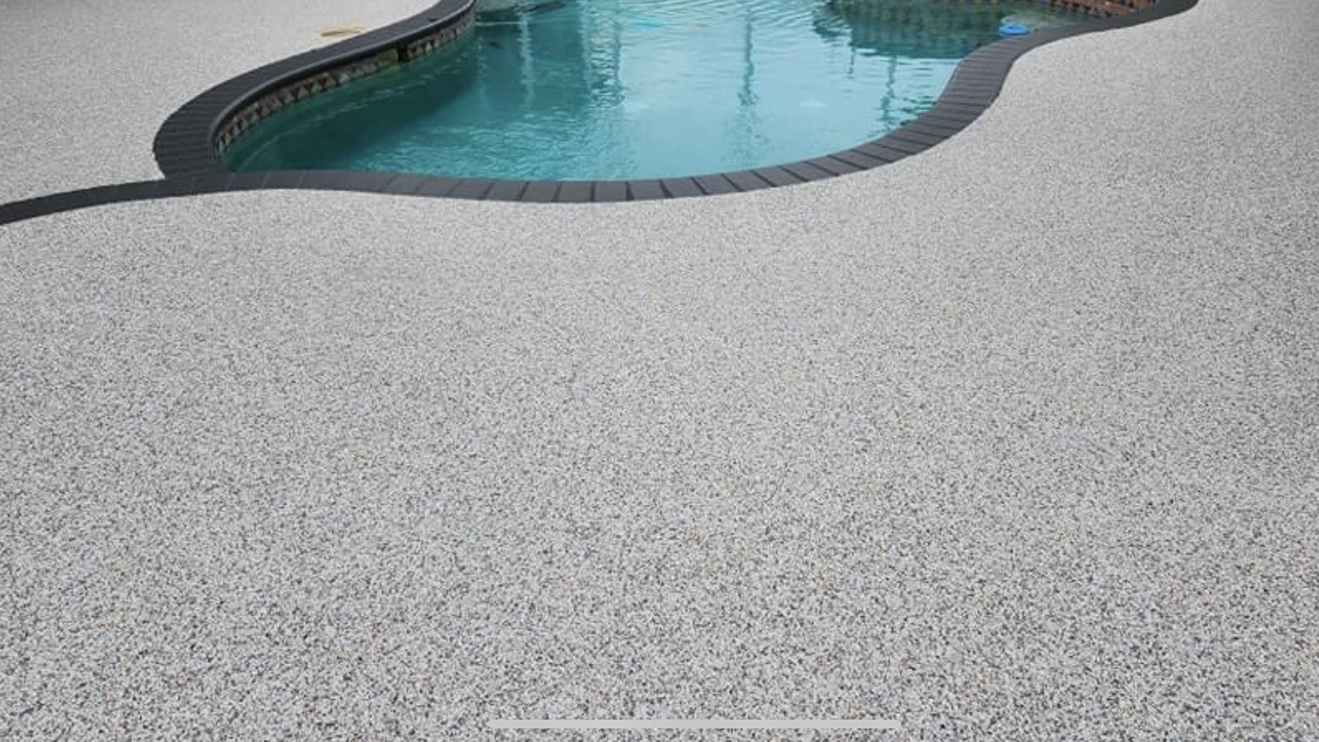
(1104, 8)
(301, 89)
(195, 136)
(188, 148)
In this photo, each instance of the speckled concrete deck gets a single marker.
(86, 85)
(1015, 440)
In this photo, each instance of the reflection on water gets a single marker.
(946, 29)
(612, 89)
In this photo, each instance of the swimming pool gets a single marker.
(629, 89)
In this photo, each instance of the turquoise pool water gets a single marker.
(625, 89)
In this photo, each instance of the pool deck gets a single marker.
(1014, 440)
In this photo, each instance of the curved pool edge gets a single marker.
(191, 141)
(185, 146)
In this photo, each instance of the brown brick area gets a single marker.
(1103, 8)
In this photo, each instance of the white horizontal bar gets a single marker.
(694, 724)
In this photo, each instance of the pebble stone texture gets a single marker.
(1015, 440)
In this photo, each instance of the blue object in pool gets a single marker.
(633, 89)
(1013, 29)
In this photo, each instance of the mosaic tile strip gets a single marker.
(1103, 8)
(1096, 8)
(295, 92)
(430, 44)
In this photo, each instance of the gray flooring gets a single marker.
(1015, 440)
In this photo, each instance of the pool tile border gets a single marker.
(188, 145)
(341, 74)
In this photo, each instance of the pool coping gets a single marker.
(186, 153)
